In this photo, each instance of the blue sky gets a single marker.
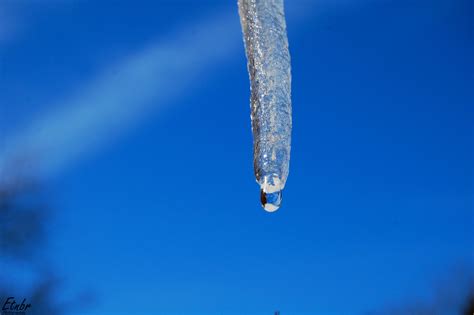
(139, 115)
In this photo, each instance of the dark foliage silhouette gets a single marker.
(24, 215)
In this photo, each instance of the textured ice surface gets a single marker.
(266, 45)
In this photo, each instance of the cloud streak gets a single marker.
(126, 92)
(123, 94)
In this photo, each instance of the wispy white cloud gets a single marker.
(132, 89)
(123, 94)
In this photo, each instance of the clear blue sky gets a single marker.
(163, 215)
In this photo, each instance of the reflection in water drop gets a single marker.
(271, 192)
(270, 201)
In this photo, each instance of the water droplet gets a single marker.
(270, 201)
(271, 192)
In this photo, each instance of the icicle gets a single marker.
(266, 44)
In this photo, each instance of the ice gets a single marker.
(266, 44)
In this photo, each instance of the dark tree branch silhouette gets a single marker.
(24, 216)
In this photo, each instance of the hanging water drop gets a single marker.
(270, 201)
(271, 192)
